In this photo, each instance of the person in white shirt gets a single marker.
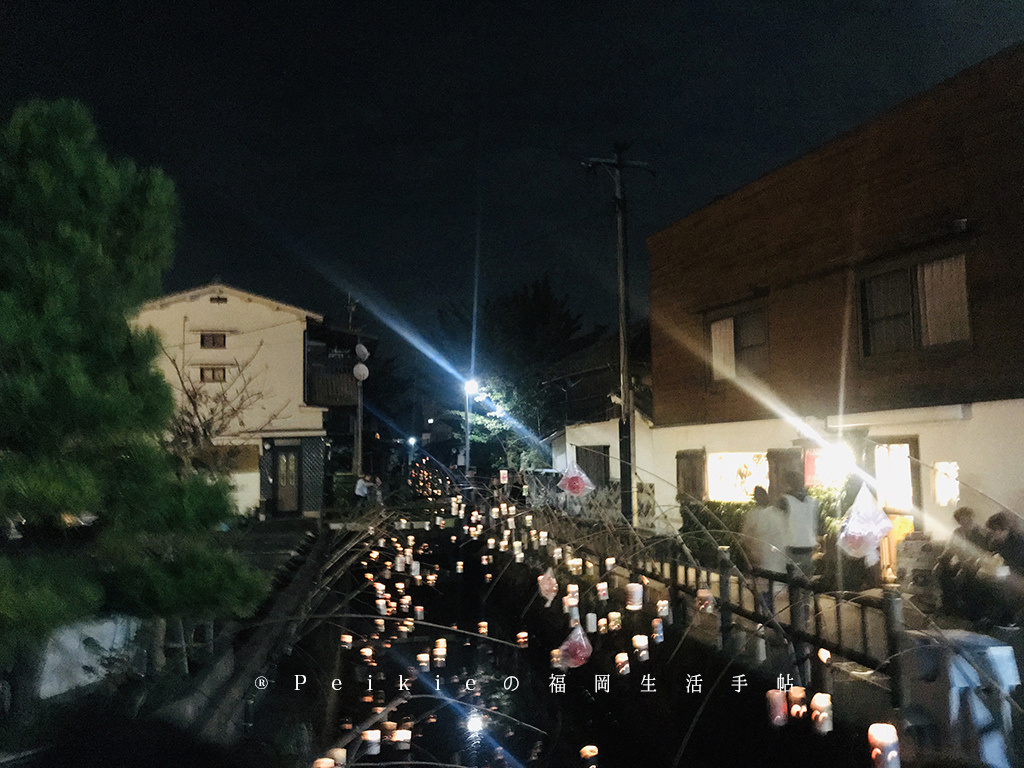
(801, 511)
(765, 534)
(362, 491)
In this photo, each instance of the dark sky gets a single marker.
(357, 135)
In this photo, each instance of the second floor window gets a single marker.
(921, 305)
(212, 373)
(740, 342)
(212, 340)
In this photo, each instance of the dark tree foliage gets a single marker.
(520, 335)
(84, 241)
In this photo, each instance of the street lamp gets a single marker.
(471, 387)
(475, 723)
(360, 372)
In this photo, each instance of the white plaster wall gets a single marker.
(988, 448)
(254, 326)
(245, 490)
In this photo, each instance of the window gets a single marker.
(740, 342)
(593, 460)
(921, 305)
(897, 474)
(208, 374)
(733, 476)
(212, 340)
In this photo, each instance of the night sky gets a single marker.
(355, 139)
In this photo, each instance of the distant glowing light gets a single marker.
(412, 441)
(472, 387)
(475, 723)
(834, 463)
(947, 483)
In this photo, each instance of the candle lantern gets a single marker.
(797, 702)
(431, 579)
(484, 560)
(488, 577)
(609, 563)
(494, 513)
(566, 603)
(614, 621)
(379, 623)
(482, 627)
(574, 616)
(591, 620)
(657, 631)
(602, 626)
(403, 524)
(602, 590)
(379, 588)
(458, 566)
(573, 591)
(529, 521)
(543, 538)
(634, 596)
(414, 568)
(439, 655)
(372, 741)
(622, 663)
(591, 569)
(640, 645)
(778, 712)
(503, 545)
(410, 540)
(705, 601)
(557, 554)
(402, 738)
(400, 563)
(885, 745)
(520, 557)
(346, 641)
(523, 639)
(418, 612)
(575, 566)
(821, 713)
(511, 523)
(339, 755)
(423, 659)
(405, 603)
(490, 543)
(663, 609)
(589, 756)
(556, 658)
(400, 586)
(382, 607)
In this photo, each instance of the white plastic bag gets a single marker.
(575, 481)
(864, 527)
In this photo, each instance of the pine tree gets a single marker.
(109, 523)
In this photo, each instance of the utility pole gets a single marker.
(627, 454)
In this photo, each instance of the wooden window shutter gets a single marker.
(691, 474)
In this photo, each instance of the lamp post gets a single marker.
(359, 372)
(471, 387)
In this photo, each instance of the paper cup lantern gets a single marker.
(821, 713)
(634, 596)
(778, 710)
(885, 745)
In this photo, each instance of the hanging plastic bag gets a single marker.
(575, 651)
(547, 584)
(575, 481)
(864, 528)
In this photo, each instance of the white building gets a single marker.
(235, 344)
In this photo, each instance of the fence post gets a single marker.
(894, 633)
(798, 622)
(725, 620)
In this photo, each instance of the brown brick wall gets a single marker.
(804, 232)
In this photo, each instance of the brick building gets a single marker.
(872, 289)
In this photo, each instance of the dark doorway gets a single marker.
(286, 479)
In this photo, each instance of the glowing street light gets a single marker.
(475, 723)
(472, 387)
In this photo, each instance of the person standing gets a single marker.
(765, 534)
(801, 511)
(362, 491)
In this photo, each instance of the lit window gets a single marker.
(733, 476)
(893, 473)
(212, 340)
(947, 483)
(213, 374)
